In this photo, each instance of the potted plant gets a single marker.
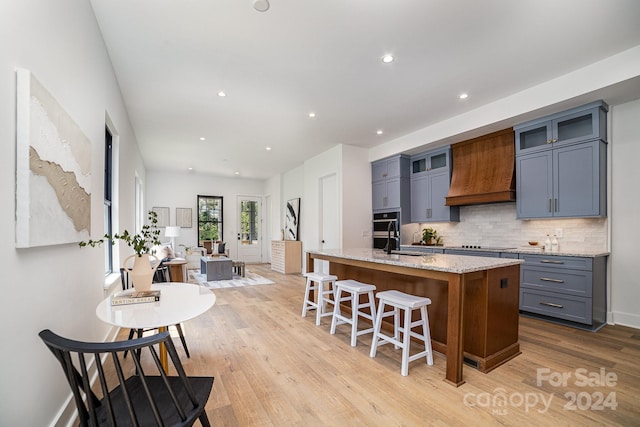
(142, 271)
(429, 236)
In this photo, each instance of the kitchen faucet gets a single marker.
(388, 247)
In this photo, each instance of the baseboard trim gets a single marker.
(626, 319)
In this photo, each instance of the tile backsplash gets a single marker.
(496, 225)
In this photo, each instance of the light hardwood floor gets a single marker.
(275, 368)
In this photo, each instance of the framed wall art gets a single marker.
(163, 216)
(183, 217)
(292, 219)
(53, 169)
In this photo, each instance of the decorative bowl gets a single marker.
(533, 243)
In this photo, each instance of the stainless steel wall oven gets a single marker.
(386, 223)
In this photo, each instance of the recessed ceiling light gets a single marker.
(268, 148)
(463, 96)
(312, 115)
(190, 168)
(387, 59)
(222, 93)
(202, 138)
(261, 5)
(379, 132)
(237, 173)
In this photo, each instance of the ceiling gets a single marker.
(172, 57)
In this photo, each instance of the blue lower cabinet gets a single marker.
(568, 290)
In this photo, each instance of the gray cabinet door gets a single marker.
(393, 192)
(576, 185)
(419, 199)
(379, 194)
(534, 185)
(438, 190)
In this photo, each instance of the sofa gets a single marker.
(193, 257)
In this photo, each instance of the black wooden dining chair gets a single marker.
(162, 274)
(126, 393)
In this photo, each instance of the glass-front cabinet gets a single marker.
(561, 164)
(431, 161)
(577, 125)
(430, 179)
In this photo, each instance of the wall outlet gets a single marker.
(558, 232)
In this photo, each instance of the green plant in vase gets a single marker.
(141, 243)
(429, 236)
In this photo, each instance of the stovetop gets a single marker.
(490, 248)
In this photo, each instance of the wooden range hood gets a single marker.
(483, 170)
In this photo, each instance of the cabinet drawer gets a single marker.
(509, 255)
(563, 281)
(575, 309)
(472, 253)
(552, 261)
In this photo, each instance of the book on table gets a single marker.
(135, 297)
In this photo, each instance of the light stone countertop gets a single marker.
(522, 250)
(437, 262)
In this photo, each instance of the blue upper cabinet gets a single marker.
(390, 185)
(430, 179)
(565, 177)
(577, 125)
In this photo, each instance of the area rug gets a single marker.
(251, 279)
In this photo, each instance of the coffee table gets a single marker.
(216, 268)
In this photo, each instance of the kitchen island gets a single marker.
(474, 312)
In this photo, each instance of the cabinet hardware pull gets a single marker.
(548, 261)
(548, 141)
(384, 201)
(554, 140)
(546, 279)
(550, 206)
(555, 205)
(550, 304)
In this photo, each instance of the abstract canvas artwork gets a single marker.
(53, 167)
(292, 219)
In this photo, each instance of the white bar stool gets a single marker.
(401, 301)
(354, 289)
(323, 299)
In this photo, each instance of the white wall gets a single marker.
(356, 198)
(625, 212)
(322, 165)
(55, 287)
(181, 190)
(273, 189)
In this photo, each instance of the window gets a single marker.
(209, 218)
(108, 200)
(249, 220)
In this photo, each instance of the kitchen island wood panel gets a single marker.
(474, 311)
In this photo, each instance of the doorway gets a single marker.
(249, 229)
(329, 226)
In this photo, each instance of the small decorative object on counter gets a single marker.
(547, 244)
(429, 236)
(554, 244)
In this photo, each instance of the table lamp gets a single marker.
(172, 232)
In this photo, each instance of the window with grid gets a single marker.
(209, 218)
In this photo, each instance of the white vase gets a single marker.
(141, 274)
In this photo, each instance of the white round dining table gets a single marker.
(178, 303)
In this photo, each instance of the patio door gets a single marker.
(249, 229)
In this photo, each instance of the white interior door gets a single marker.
(249, 229)
(329, 223)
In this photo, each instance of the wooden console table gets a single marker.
(474, 310)
(286, 256)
